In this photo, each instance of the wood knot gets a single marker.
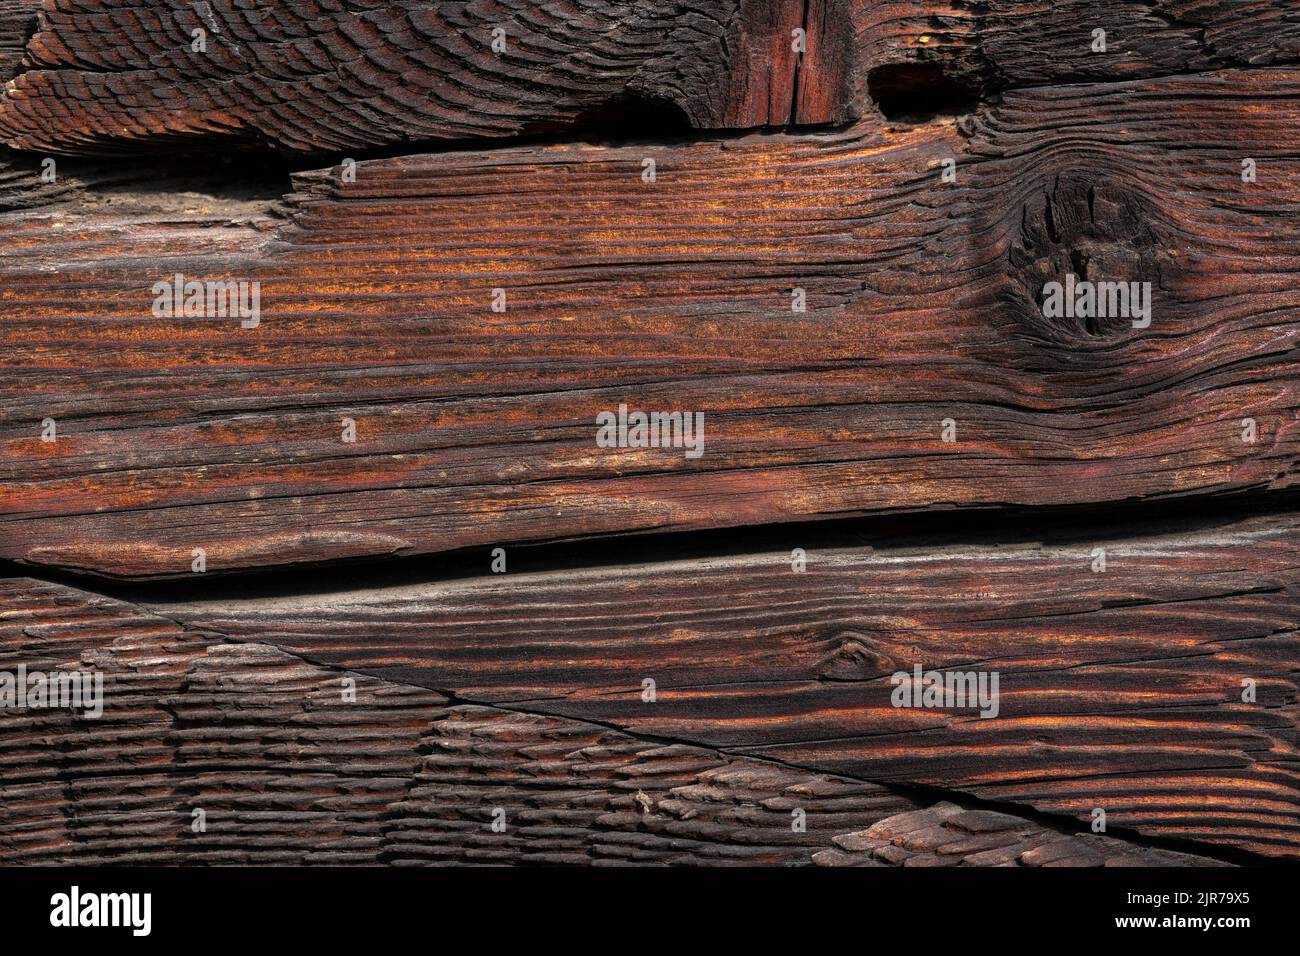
(854, 659)
(1086, 260)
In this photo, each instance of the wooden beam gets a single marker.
(307, 77)
(1126, 690)
(212, 753)
(477, 428)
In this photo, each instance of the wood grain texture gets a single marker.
(286, 772)
(17, 23)
(1001, 44)
(1121, 690)
(948, 835)
(651, 188)
(311, 77)
(477, 428)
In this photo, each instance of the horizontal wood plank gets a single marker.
(476, 428)
(286, 772)
(310, 77)
(948, 835)
(1120, 689)
(1000, 44)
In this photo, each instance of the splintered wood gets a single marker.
(758, 431)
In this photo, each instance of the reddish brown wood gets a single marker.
(313, 77)
(287, 772)
(310, 77)
(477, 428)
(1122, 689)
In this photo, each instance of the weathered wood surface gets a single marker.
(1120, 689)
(476, 429)
(286, 772)
(17, 22)
(315, 77)
(525, 172)
(999, 44)
(947, 835)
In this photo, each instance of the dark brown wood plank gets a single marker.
(999, 44)
(1120, 690)
(287, 772)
